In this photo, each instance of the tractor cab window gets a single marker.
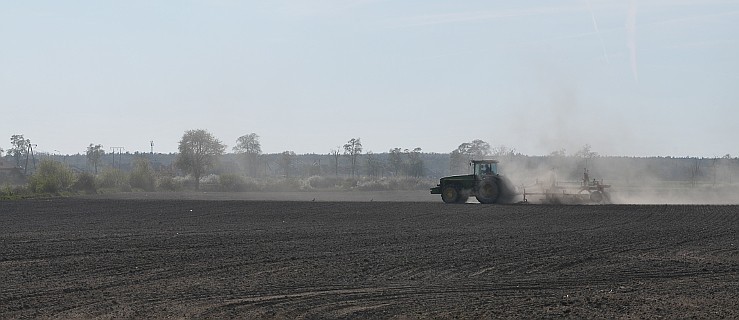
(482, 169)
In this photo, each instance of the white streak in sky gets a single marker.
(597, 31)
(631, 38)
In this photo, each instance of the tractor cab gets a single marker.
(484, 168)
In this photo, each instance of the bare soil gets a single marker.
(138, 258)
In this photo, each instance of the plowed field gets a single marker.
(98, 258)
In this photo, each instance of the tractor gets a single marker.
(485, 184)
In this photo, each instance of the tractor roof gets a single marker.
(484, 161)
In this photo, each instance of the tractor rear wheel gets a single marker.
(449, 194)
(488, 192)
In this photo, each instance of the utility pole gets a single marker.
(113, 150)
(152, 146)
(29, 151)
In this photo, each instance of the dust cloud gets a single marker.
(655, 180)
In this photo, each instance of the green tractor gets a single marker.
(484, 183)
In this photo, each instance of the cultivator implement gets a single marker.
(588, 191)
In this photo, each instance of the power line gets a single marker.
(120, 150)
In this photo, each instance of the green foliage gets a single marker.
(231, 183)
(586, 152)
(331, 183)
(94, 154)
(85, 183)
(15, 192)
(459, 158)
(169, 184)
(19, 149)
(113, 178)
(352, 149)
(320, 182)
(287, 158)
(142, 176)
(51, 177)
(249, 146)
(199, 151)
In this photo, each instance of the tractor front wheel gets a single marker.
(449, 194)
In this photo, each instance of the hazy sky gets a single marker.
(629, 77)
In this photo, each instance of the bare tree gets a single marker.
(502, 151)
(94, 154)
(199, 150)
(695, 171)
(352, 149)
(336, 153)
(251, 148)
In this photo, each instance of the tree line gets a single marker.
(201, 154)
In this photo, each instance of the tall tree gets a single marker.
(478, 148)
(199, 150)
(249, 146)
(395, 157)
(373, 165)
(587, 154)
(352, 149)
(457, 162)
(415, 163)
(94, 154)
(19, 148)
(286, 162)
(459, 158)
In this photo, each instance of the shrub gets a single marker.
(51, 177)
(349, 183)
(169, 184)
(321, 182)
(15, 192)
(85, 182)
(232, 182)
(112, 178)
(142, 177)
(288, 184)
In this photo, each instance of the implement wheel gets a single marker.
(449, 194)
(596, 196)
